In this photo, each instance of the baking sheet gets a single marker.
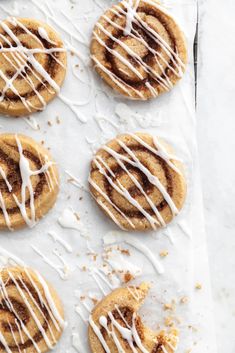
(72, 138)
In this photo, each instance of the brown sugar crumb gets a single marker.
(169, 306)
(198, 286)
(128, 277)
(124, 251)
(184, 300)
(192, 328)
(94, 301)
(169, 322)
(164, 253)
(77, 216)
(80, 198)
(84, 268)
(58, 120)
(49, 123)
(83, 297)
(95, 257)
(77, 66)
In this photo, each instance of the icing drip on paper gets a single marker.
(70, 220)
(77, 343)
(75, 181)
(9, 257)
(32, 122)
(103, 278)
(115, 237)
(134, 161)
(63, 270)
(61, 241)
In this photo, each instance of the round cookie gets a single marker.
(139, 49)
(31, 313)
(115, 317)
(138, 182)
(32, 65)
(29, 181)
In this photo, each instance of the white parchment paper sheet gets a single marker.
(71, 142)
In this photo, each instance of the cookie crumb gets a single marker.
(164, 253)
(128, 277)
(184, 300)
(198, 286)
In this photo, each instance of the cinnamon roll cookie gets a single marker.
(32, 65)
(116, 327)
(31, 313)
(139, 49)
(138, 182)
(28, 181)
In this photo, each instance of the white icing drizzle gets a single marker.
(49, 303)
(43, 33)
(66, 268)
(4, 343)
(28, 56)
(75, 181)
(115, 237)
(11, 257)
(77, 343)
(99, 335)
(31, 311)
(61, 241)
(70, 220)
(61, 270)
(3, 175)
(186, 230)
(23, 58)
(131, 13)
(128, 333)
(170, 236)
(119, 264)
(134, 161)
(43, 302)
(131, 16)
(26, 174)
(81, 314)
(32, 122)
(4, 211)
(152, 179)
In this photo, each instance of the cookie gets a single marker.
(28, 181)
(32, 65)
(115, 326)
(139, 49)
(31, 313)
(138, 182)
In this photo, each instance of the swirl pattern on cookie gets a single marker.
(116, 327)
(31, 314)
(32, 65)
(28, 181)
(139, 49)
(138, 182)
